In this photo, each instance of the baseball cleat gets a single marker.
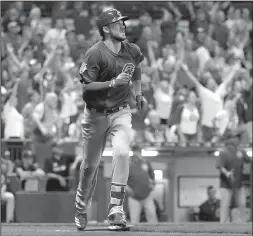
(117, 217)
(81, 220)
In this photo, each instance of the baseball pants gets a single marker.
(225, 202)
(135, 208)
(95, 129)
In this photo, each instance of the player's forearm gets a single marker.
(223, 170)
(95, 86)
(137, 87)
(53, 176)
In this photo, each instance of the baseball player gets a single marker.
(109, 68)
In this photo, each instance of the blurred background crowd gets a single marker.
(196, 76)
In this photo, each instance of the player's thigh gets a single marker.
(135, 208)
(226, 197)
(7, 196)
(121, 131)
(93, 127)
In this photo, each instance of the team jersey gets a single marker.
(100, 65)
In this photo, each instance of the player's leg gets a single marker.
(135, 208)
(225, 202)
(10, 205)
(121, 136)
(94, 142)
(240, 198)
(150, 209)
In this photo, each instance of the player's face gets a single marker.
(117, 30)
(212, 194)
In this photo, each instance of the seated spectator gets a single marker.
(56, 168)
(210, 209)
(6, 196)
(155, 132)
(188, 117)
(6, 159)
(27, 169)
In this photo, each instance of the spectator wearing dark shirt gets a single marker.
(27, 168)
(247, 97)
(81, 17)
(201, 21)
(230, 163)
(56, 169)
(141, 182)
(220, 32)
(209, 210)
(12, 36)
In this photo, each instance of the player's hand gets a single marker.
(62, 181)
(140, 102)
(122, 79)
(230, 176)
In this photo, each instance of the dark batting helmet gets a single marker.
(108, 17)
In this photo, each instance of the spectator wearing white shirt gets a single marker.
(154, 131)
(13, 120)
(188, 114)
(212, 101)
(163, 95)
(227, 118)
(55, 36)
(45, 117)
(202, 52)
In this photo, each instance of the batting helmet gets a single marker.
(108, 17)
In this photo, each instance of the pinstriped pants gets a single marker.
(95, 129)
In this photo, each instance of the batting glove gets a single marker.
(140, 102)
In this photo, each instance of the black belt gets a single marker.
(107, 110)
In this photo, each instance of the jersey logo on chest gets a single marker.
(128, 69)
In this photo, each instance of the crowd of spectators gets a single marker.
(196, 76)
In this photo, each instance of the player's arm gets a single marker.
(24, 174)
(221, 165)
(90, 71)
(140, 100)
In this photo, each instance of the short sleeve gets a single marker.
(137, 54)
(90, 68)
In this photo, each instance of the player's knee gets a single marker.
(122, 153)
(88, 168)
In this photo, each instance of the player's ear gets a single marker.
(106, 29)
